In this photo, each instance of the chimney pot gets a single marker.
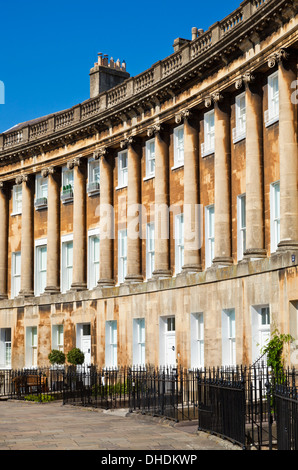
(194, 33)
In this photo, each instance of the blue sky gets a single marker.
(48, 48)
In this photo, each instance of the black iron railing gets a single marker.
(247, 405)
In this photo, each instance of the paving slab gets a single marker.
(54, 426)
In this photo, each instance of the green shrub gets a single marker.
(56, 357)
(75, 357)
(39, 398)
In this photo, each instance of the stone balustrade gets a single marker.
(162, 70)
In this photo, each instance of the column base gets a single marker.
(254, 253)
(191, 268)
(25, 293)
(3, 296)
(105, 283)
(222, 261)
(133, 279)
(161, 274)
(287, 245)
(78, 286)
(51, 290)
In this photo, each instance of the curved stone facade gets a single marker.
(157, 222)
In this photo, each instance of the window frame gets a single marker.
(272, 113)
(111, 344)
(139, 342)
(41, 198)
(39, 288)
(241, 230)
(122, 170)
(150, 252)
(65, 282)
(122, 257)
(209, 239)
(178, 161)
(14, 290)
(93, 186)
(17, 201)
(274, 218)
(5, 348)
(239, 132)
(93, 265)
(179, 243)
(149, 159)
(67, 185)
(56, 337)
(229, 337)
(31, 358)
(208, 146)
(197, 339)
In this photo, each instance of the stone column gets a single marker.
(254, 169)
(79, 279)
(27, 236)
(161, 217)
(288, 153)
(191, 210)
(222, 203)
(53, 237)
(134, 213)
(106, 221)
(3, 240)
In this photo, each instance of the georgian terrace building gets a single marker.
(157, 222)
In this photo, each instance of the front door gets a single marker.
(86, 349)
(170, 350)
(170, 342)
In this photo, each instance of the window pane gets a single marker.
(171, 323)
(86, 329)
(243, 212)
(96, 249)
(265, 316)
(67, 176)
(34, 336)
(69, 254)
(17, 263)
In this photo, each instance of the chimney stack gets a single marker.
(106, 74)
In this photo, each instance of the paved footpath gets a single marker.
(53, 426)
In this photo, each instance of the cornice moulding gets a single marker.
(151, 96)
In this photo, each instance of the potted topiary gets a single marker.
(57, 359)
(75, 357)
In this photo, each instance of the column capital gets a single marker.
(245, 79)
(45, 172)
(125, 143)
(277, 57)
(77, 161)
(213, 98)
(183, 115)
(99, 153)
(21, 179)
(153, 130)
